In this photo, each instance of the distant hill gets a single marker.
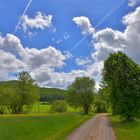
(46, 94)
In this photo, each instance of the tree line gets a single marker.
(119, 90)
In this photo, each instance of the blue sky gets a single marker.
(63, 34)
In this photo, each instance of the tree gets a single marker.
(81, 92)
(101, 102)
(6, 94)
(59, 106)
(122, 76)
(100, 106)
(26, 93)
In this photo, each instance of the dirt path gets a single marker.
(97, 128)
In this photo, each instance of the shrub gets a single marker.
(2, 109)
(59, 106)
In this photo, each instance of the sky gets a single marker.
(59, 40)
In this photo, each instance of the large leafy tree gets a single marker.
(122, 76)
(81, 93)
(26, 94)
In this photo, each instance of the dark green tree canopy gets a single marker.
(122, 76)
(81, 92)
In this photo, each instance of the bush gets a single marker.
(59, 106)
(2, 109)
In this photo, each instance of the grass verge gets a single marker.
(125, 130)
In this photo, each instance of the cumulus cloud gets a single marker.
(40, 21)
(84, 24)
(9, 64)
(40, 62)
(133, 3)
(132, 34)
(50, 57)
(11, 44)
(108, 40)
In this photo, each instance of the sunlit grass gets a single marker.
(39, 108)
(39, 127)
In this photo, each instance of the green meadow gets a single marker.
(42, 108)
(39, 124)
(39, 127)
(126, 130)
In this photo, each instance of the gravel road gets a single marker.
(97, 128)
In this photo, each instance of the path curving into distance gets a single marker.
(97, 128)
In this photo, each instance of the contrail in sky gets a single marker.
(99, 23)
(24, 12)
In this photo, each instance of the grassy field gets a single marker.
(39, 127)
(44, 109)
(126, 130)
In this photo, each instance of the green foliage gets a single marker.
(2, 109)
(59, 106)
(7, 98)
(19, 96)
(81, 92)
(52, 94)
(122, 76)
(45, 94)
(27, 93)
(100, 106)
(101, 103)
(11, 94)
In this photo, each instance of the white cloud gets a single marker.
(40, 63)
(50, 57)
(11, 44)
(133, 3)
(40, 21)
(83, 62)
(9, 64)
(132, 34)
(84, 24)
(107, 41)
